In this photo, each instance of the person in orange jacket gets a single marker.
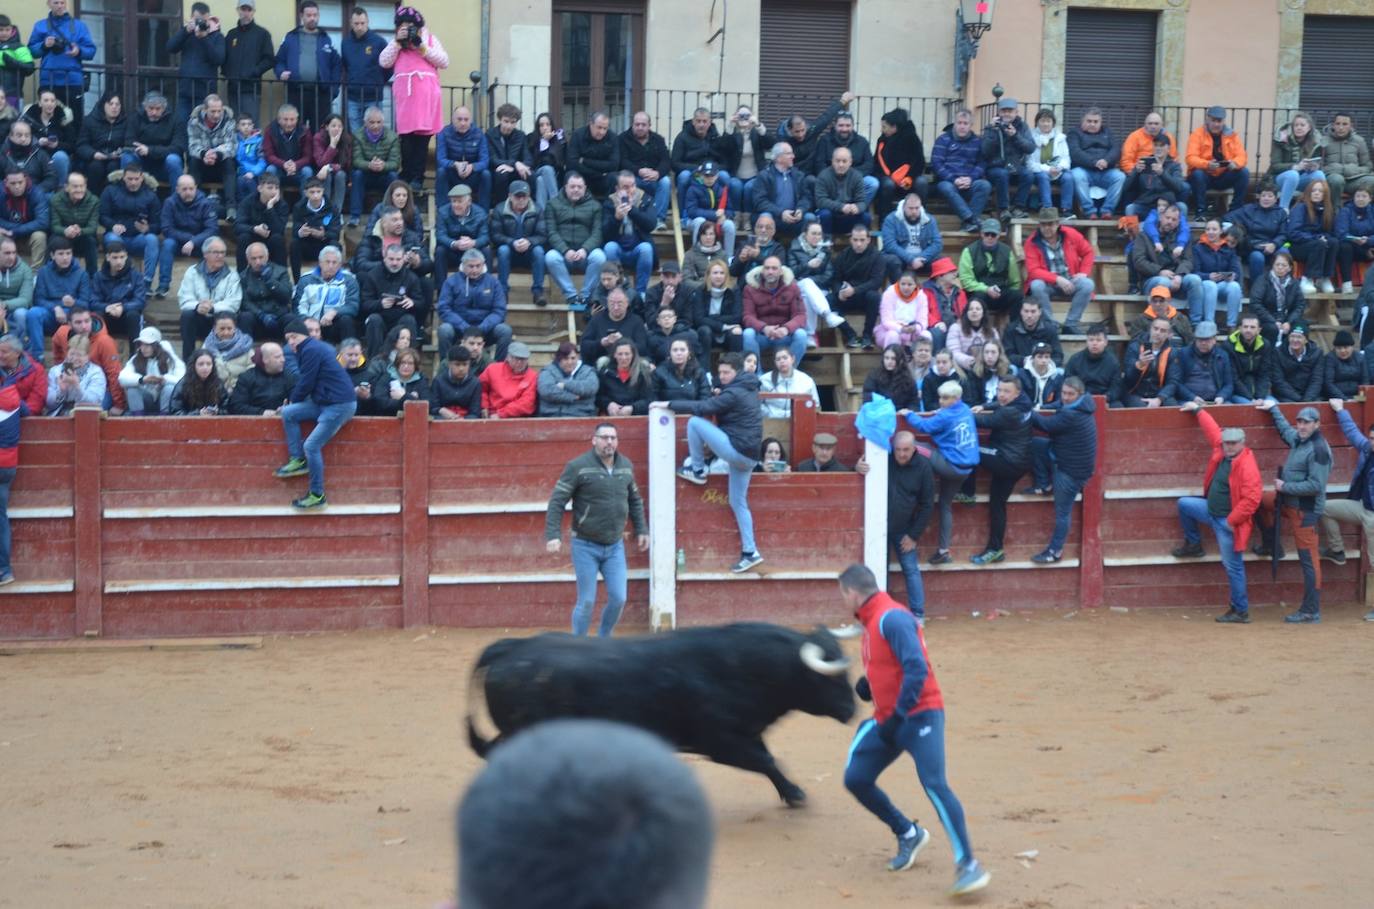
(104, 351)
(1216, 160)
(509, 386)
(1229, 509)
(1141, 143)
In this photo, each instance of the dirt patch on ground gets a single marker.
(1152, 760)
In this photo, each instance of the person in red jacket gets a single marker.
(16, 369)
(774, 314)
(509, 386)
(1059, 263)
(1231, 493)
(104, 351)
(25, 374)
(908, 716)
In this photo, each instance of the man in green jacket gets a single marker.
(76, 216)
(376, 160)
(572, 222)
(1300, 491)
(16, 285)
(601, 486)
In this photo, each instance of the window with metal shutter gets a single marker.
(1337, 66)
(1109, 62)
(803, 56)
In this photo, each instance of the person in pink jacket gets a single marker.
(904, 314)
(415, 56)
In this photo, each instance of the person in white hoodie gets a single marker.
(785, 378)
(1048, 164)
(151, 374)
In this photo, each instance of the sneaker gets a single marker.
(970, 226)
(1334, 556)
(908, 847)
(988, 556)
(578, 303)
(1303, 618)
(1234, 616)
(868, 343)
(746, 561)
(1071, 328)
(540, 300)
(1188, 551)
(964, 498)
(1327, 287)
(353, 221)
(1046, 557)
(854, 342)
(941, 557)
(1037, 490)
(295, 467)
(968, 878)
(6, 578)
(1307, 286)
(309, 500)
(812, 342)
(692, 476)
(1020, 213)
(161, 293)
(1347, 287)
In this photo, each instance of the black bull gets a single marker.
(708, 691)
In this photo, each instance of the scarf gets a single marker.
(239, 343)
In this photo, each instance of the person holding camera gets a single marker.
(416, 57)
(201, 45)
(60, 43)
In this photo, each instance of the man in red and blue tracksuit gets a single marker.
(908, 716)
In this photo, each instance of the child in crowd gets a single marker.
(249, 156)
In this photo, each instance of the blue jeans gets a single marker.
(169, 169)
(641, 254)
(833, 222)
(1256, 264)
(662, 188)
(298, 181)
(1228, 292)
(1111, 180)
(170, 250)
(142, 246)
(533, 257)
(480, 182)
(1192, 511)
(1192, 291)
(1041, 182)
(701, 432)
(684, 179)
(977, 198)
(911, 575)
(1237, 180)
(1000, 178)
(40, 322)
(362, 181)
(1291, 182)
(1066, 489)
(6, 478)
(921, 735)
(725, 232)
(61, 166)
(588, 559)
(355, 110)
(756, 344)
(329, 419)
(559, 270)
(1083, 289)
(871, 185)
(545, 185)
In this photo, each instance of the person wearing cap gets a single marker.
(911, 238)
(1204, 370)
(823, 458)
(1041, 378)
(1216, 160)
(1150, 377)
(509, 151)
(248, 53)
(573, 222)
(1231, 494)
(509, 387)
(957, 163)
(1298, 368)
(990, 272)
(1357, 508)
(644, 153)
(1344, 369)
(1161, 306)
(947, 299)
(707, 199)
(456, 393)
(323, 394)
(517, 232)
(1095, 154)
(151, 374)
(567, 387)
(1300, 491)
(472, 296)
(842, 198)
(1169, 262)
(1059, 264)
(462, 226)
(629, 227)
(1006, 142)
(670, 292)
(201, 47)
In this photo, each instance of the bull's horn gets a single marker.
(847, 631)
(814, 658)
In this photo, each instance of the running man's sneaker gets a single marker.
(908, 847)
(296, 467)
(1233, 616)
(1303, 618)
(988, 556)
(746, 561)
(969, 877)
(309, 500)
(692, 475)
(1046, 557)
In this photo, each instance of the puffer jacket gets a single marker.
(1354, 222)
(593, 158)
(1297, 379)
(506, 226)
(780, 306)
(689, 149)
(1011, 430)
(1208, 259)
(1288, 151)
(572, 225)
(464, 303)
(387, 147)
(101, 135)
(693, 384)
(201, 137)
(451, 227)
(127, 287)
(227, 295)
(799, 259)
(1073, 437)
(195, 221)
(1262, 225)
(1347, 157)
(1218, 365)
(267, 292)
(1343, 378)
(635, 392)
(736, 410)
(60, 127)
(1274, 306)
(1086, 149)
(33, 161)
(161, 135)
(1199, 152)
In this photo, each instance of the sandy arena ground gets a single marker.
(1152, 759)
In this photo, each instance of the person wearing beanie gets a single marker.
(323, 394)
(1298, 371)
(1344, 369)
(1300, 491)
(415, 56)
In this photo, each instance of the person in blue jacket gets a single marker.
(310, 66)
(360, 49)
(60, 285)
(1073, 451)
(61, 44)
(473, 298)
(323, 394)
(201, 46)
(463, 157)
(1355, 233)
(955, 434)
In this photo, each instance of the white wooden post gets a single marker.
(662, 495)
(875, 512)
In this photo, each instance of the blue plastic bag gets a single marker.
(876, 421)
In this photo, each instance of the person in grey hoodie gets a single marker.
(1300, 491)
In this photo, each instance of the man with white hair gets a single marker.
(782, 191)
(208, 287)
(472, 298)
(330, 294)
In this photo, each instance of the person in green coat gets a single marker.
(76, 215)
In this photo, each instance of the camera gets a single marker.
(59, 44)
(1150, 161)
(201, 24)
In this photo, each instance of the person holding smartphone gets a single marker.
(1216, 262)
(1296, 157)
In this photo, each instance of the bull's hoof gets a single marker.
(795, 798)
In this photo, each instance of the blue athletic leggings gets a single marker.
(923, 737)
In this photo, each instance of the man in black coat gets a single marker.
(910, 502)
(594, 153)
(698, 143)
(391, 293)
(509, 151)
(857, 284)
(1097, 367)
(248, 53)
(605, 329)
(262, 390)
(1298, 371)
(158, 140)
(644, 153)
(267, 291)
(1030, 329)
(1073, 449)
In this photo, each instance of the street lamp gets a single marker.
(975, 17)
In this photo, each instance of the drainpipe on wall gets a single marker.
(484, 58)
